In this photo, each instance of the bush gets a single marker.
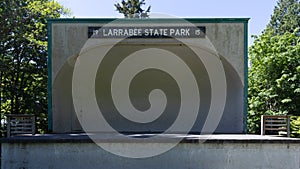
(295, 126)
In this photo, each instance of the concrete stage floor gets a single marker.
(109, 137)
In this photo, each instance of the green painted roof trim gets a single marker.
(170, 20)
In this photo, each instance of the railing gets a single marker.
(20, 124)
(279, 124)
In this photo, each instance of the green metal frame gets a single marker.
(245, 76)
(149, 20)
(49, 26)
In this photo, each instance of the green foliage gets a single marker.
(130, 8)
(295, 126)
(285, 17)
(23, 56)
(274, 77)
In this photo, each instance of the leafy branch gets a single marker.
(132, 8)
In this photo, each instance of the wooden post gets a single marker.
(8, 126)
(33, 125)
(262, 125)
(288, 126)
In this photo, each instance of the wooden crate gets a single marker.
(20, 124)
(278, 123)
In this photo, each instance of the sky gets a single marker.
(259, 11)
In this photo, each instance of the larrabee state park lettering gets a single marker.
(146, 32)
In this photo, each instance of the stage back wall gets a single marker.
(71, 41)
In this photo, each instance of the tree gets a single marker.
(132, 8)
(23, 56)
(274, 77)
(286, 17)
(274, 74)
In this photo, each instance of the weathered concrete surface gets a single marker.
(220, 152)
(68, 40)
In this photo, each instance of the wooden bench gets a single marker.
(20, 124)
(277, 123)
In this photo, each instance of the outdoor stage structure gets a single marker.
(193, 41)
(148, 93)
